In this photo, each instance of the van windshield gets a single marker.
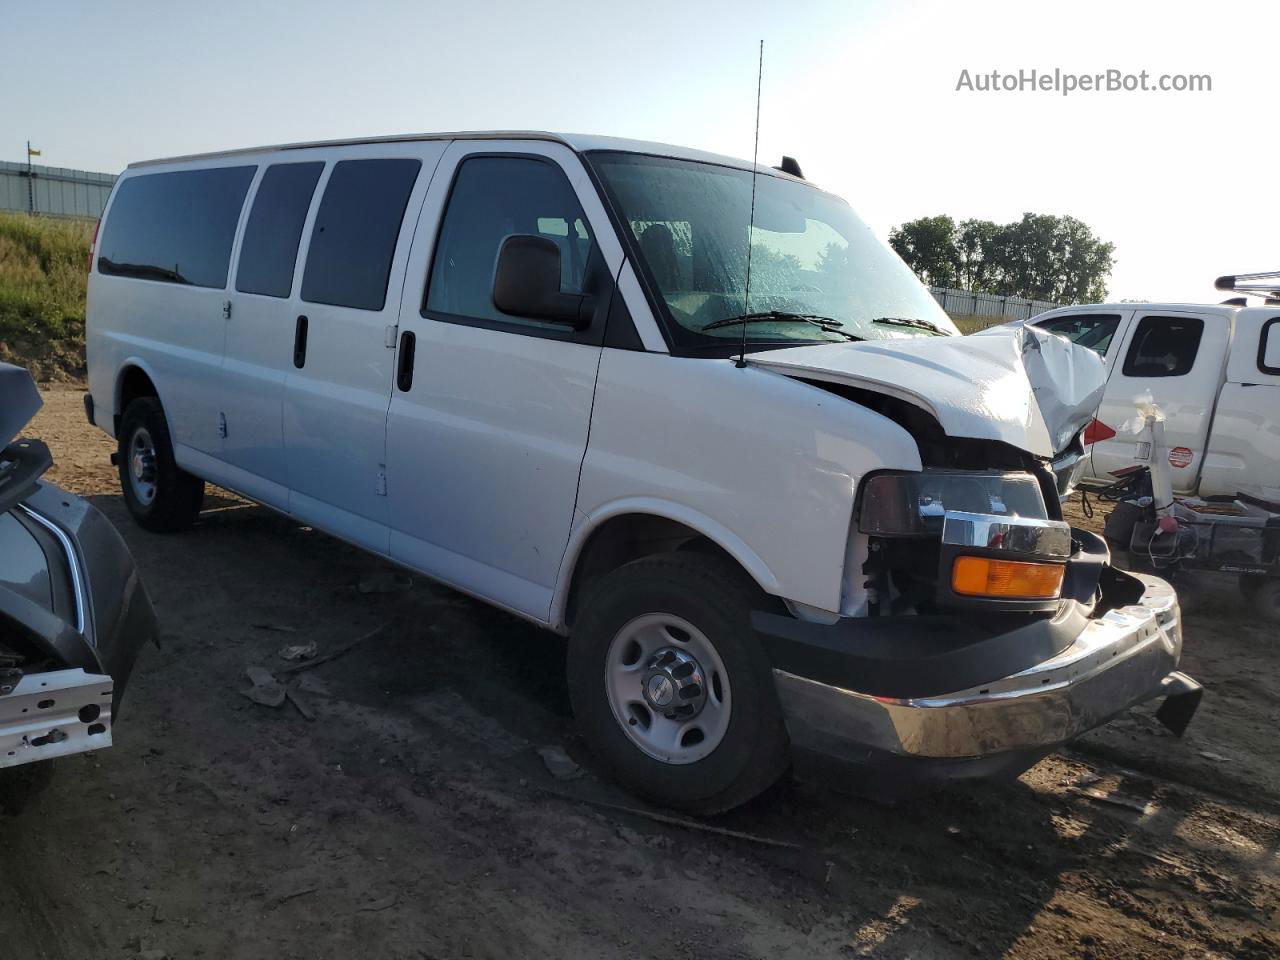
(810, 256)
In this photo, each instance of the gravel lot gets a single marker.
(414, 818)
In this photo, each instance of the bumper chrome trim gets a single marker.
(1050, 539)
(1120, 659)
(75, 716)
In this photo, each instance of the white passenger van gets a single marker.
(514, 363)
(1214, 372)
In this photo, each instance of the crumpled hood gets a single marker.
(1020, 385)
(19, 401)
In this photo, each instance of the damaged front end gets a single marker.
(979, 630)
(73, 612)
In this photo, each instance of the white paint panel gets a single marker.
(257, 360)
(335, 406)
(483, 453)
(764, 465)
(1187, 401)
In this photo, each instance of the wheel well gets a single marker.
(622, 539)
(134, 383)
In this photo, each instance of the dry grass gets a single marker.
(972, 323)
(42, 289)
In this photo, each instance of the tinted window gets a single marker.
(1164, 347)
(354, 237)
(1269, 347)
(492, 198)
(1092, 330)
(177, 227)
(270, 247)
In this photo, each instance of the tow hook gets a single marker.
(1182, 697)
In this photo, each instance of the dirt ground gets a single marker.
(414, 818)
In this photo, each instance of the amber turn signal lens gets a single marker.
(1006, 579)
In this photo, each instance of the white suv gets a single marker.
(802, 518)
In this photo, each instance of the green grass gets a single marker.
(42, 278)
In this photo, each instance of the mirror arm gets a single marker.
(586, 309)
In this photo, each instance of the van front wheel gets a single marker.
(670, 687)
(161, 496)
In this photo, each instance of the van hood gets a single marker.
(19, 401)
(1020, 385)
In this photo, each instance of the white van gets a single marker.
(514, 363)
(1213, 370)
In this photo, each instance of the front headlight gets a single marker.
(914, 504)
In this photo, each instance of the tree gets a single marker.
(1044, 257)
(1040, 257)
(975, 244)
(928, 245)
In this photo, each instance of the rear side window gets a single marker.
(175, 227)
(354, 237)
(270, 248)
(1269, 347)
(1092, 330)
(1164, 347)
(492, 198)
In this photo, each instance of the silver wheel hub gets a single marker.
(142, 466)
(668, 688)
(674, 685)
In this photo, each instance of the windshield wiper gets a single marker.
(913, 322)
(829, 324)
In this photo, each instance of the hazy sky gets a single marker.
(862, 93)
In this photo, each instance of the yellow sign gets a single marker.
(32, 153)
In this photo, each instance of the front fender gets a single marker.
(712, 529)
(764, 465)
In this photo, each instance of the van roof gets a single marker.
(577, 142)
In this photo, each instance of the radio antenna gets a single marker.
(751, 223)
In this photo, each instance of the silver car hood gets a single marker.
(1022, 386)
(19, 401)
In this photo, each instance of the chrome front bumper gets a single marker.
(54, 715)
(1122, 658)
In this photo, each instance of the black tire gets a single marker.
(176, 496)
(20, 785)
(713, 596)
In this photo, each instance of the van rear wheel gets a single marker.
(160, 495)
(670, 686)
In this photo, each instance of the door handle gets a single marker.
(404, 365)
(300, 343)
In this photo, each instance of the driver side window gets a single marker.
(492, 198)
(1164, 347)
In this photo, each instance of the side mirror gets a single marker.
(526, 283)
